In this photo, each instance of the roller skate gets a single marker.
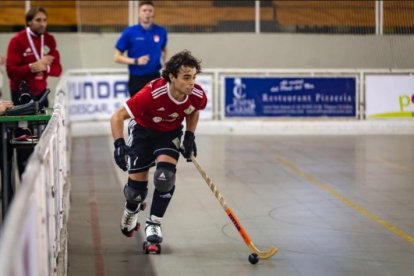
(129, 221)
(154, 237)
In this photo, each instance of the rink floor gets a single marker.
(333, 205)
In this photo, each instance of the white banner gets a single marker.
(389, 96)
(206, 82)
(97, 97)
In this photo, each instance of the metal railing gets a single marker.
(33, 238)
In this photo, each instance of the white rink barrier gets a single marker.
(33, 239)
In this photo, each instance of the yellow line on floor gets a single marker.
(391, 164)
(346, 200)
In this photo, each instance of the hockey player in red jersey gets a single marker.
(157, 112)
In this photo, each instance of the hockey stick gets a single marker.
(262, 254)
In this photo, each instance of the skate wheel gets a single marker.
(154, 248)
(151, 248)
(143, 206)
(137, 227)
(129, 234)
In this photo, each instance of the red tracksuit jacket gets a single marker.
(20, 54)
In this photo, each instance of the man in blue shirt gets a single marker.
(146, 47)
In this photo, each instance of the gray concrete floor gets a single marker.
(334, 205)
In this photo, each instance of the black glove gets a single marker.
(121, 153)
(189, 146)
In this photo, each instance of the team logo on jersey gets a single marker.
(46, 50)
(28, 52)
(157, 119)
(189, 110)
(156, 38)
(172, 117)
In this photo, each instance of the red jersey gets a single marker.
(153, 106)
(20, 54)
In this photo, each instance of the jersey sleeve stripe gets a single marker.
(159, 95)
(201, 92)
(157, 92)
(198, 94)
(158, 89)
(129, 111)
(196, 89)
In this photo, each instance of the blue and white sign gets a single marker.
(290, 96)
(206, 82)
(96, 97)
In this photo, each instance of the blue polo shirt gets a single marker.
(139, 42)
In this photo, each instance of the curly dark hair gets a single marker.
(183, 58)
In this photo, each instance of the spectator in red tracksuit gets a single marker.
(32, 56)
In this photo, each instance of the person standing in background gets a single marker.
(32, 57)
(146, 47)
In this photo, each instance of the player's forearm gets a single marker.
(192, 121)
(117, 126)
(117, 123)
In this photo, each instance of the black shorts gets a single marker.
(146, 145)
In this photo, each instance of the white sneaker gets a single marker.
(153, 230)
(129, 221)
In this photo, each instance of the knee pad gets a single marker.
(134, 194)
(164, 177)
